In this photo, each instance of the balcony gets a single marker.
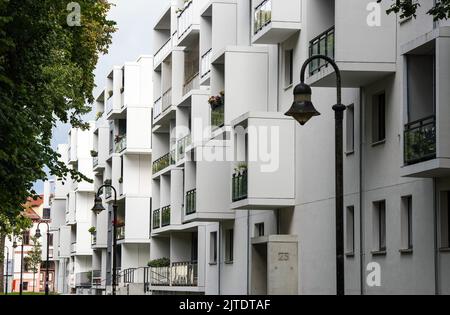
(186, 26)
(167, 100)
(182, 274)
(182, 144)
(193, 83)
(157, 108)
(120, 143)
(95, 161)
(109, 104)
(120, 232)
(321, 45)
(206, 64)
(156, 221)
(420, 141)
(274, 21)
(162, 53)
(165, 216)
(96, 278)
(191, 202)
(83, 279)
(240, 186)
(162, 163)
(218, 117)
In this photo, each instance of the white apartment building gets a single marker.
(265, 224)
(123, 153)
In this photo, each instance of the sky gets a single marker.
(135, 20)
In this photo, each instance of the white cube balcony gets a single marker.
(274, 21)
(263, 182)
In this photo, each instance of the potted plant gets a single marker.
(118, 138)
(92, 230)
(241, 168)
(216, 101)
(99, 115)
(159, 263)
(94, 153)
(110, 94)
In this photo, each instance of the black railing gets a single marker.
(240, 190)
(156, 219)
(128, 275)
(420, 140)
(165, 216)
(263, 15)
(321, 45)
(191, 202)
(161, 163)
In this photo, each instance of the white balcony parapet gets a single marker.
(163, 52)
(185, 19)
(206, 64)
(167, 100)
(192, 83)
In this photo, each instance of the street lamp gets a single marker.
(97, 209)
(303, 110)
(7, 270)
(38, 235)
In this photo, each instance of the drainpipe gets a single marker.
(361, 195)
(436, 246)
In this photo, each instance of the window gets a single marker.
(350, 126)
(259, 230)
(445, 219)
(46, 214)
(350, 229)
(379, 226)
(406, 223)
(288, 67)
(25, 286)
(50, 240)
(379, 118)
(26, 238)
(229, 246)
(213, 248)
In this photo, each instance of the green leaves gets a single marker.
(408, 8)
(46, 75)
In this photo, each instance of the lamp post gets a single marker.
(97, 209)
(303, 110)
(7, 270)
(38, 235)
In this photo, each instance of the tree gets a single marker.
(408, 8)
(46, 75)
(35, 259)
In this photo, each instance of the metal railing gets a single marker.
(156, 221)
(96, 278)
(218, 117)
(420, 140)
(240, 186)
(162, 52)
(193, 83)
(95, 161)
(161, 163)
(157, 108)
(191, 202)
(263, 15)
(166, 100)
(321, 45)
(173, 157)
(121, 144)
(120, 232)
(181, 274)
(206, 63)
(83, 279)
(182, 144)
(128, 275)
(185, 19)
(160, 276)
(165, 216)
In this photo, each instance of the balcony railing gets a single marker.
(193, 83)
(156, 221)
(162, 52)
(182, 274)
(83, 279)
(240, 186)
(185, 19)
(206, 64)
(157, 108)
(95, 161)
(263, 15)
(420, 140)
(167, 100)
(121, 144)
(165, 216)
(120, 232)
(182, 144)
(109, 104)
(191, 202)
(321, 45)
(218, 117)
(173, 157)
(161, 163)
(96, 278)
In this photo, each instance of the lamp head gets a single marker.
(302, 109)
(98, 205)
(38, 233)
